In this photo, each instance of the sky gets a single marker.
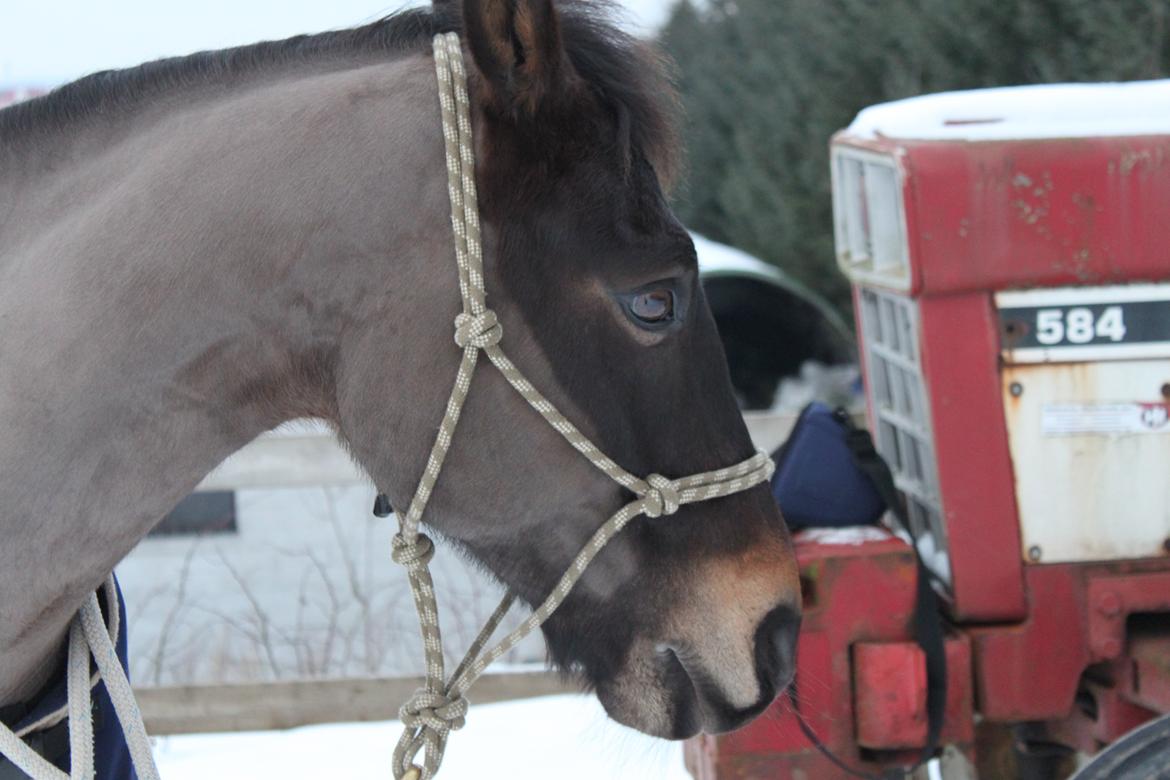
(48, 42)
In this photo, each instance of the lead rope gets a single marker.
(88, 635)
(440, 707)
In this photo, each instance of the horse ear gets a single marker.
(517, 48)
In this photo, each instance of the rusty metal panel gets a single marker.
(1115, 599)
(1090, 446)
(889, 689)
(1041, 213)
(960, 359)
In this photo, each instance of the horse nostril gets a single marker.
(776, 649)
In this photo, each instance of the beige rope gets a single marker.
(89, 636)
(436, 710)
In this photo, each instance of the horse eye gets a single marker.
(655, 306)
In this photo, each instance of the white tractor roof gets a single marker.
(1008, 113)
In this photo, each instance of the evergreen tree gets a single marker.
(765, 83)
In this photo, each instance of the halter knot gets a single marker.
(428, 718)
(661, 498)
(478, 330)
(435, 712)
(411, 552)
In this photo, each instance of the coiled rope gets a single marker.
(439, 708)
(89, 636)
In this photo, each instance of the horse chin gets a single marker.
(654, 694)
(662, 693)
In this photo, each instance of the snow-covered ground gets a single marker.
(563, 737)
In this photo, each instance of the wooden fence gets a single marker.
(288, 704)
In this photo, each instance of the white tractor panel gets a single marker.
(1090, 446)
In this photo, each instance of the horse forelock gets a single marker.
(631, 79)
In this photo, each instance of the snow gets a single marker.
(567, 737)
(853, 535)
(831, 385)
(1037, 111)
(935, 557)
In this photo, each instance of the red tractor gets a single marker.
(1009, 252)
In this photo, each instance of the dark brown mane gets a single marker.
(625, 73)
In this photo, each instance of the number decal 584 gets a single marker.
(1078, 325)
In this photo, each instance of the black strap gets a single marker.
(928, 630)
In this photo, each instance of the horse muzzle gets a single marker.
(675, 690)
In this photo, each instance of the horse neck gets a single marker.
(177, 289)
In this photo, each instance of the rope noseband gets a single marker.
(436, 710)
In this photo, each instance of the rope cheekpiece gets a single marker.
(439, 708)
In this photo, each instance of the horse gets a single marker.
(199, 249)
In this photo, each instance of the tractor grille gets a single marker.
(889, 337)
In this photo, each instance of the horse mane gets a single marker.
(627, 74)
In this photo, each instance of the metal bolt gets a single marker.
(1034, 553)
(1109, 604)
(1016, 389)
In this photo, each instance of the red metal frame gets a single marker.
(889, 685)
(1043, 213)
(859, 597)
(960, 348)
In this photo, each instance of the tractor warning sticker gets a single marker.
(1085, 323)
(1058, 419)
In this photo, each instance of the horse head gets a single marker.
(198, 249)
(684, 622)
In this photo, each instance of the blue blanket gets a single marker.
(111, 755)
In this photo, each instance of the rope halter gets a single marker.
(661, 498)
(440, 707)
(412, 553)
(478, 330)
